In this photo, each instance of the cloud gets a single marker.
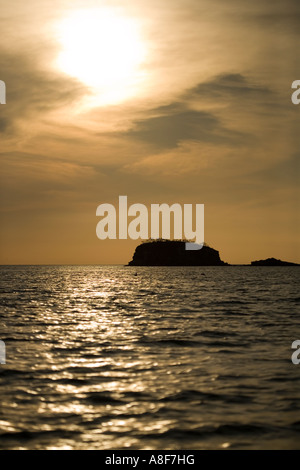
(229, 86)
(170, 125)
(167, 126)
(32, 91)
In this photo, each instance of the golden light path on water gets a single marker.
(105, 50)
(99, 358)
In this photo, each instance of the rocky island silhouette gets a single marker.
(272, 262)
(173, 253)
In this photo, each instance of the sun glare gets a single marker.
(103, 50)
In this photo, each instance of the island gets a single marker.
(173, 253)
(272, 262)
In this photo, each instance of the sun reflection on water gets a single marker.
(103, 359)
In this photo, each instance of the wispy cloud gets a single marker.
(213, 123)
(32, 91)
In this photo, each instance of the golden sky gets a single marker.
(185, 101)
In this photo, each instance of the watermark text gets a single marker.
(296, 95)
(2, 352)
(296, 355)
(2, 92)
(138, 226)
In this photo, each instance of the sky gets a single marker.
(170, 101)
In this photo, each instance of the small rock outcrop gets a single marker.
(272, 262)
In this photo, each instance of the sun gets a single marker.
(103, 50)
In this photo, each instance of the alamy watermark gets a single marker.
(2, 92)
(138, 227)
(296, 95)
(296, 355)
(2, 352)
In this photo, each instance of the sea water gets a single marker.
(113, 357)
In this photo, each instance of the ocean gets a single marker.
(113, 357)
